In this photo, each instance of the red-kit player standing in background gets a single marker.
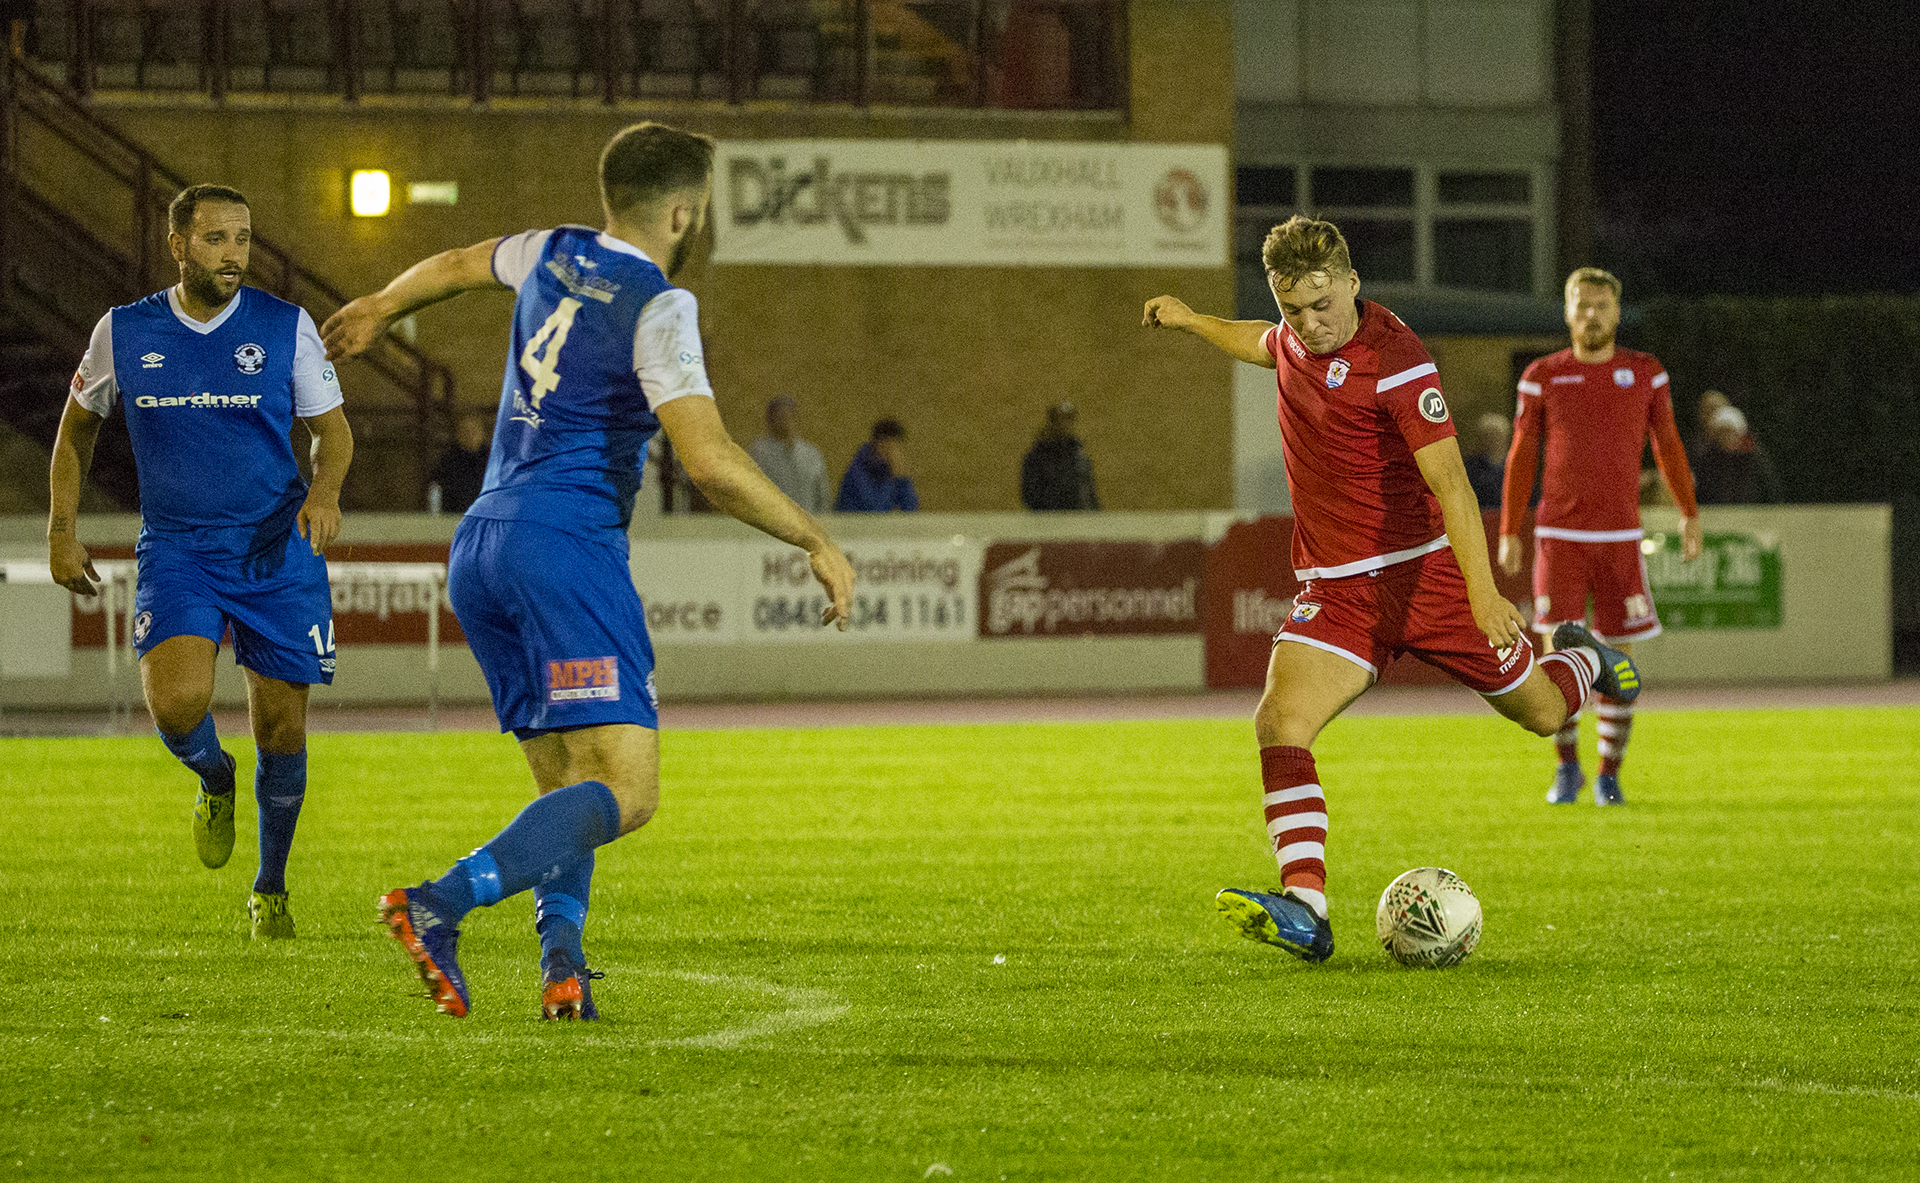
(1596, 405)
(1388, 540)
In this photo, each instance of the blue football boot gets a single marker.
(566, 989)
(1277, 919)
(431, 942)
(1619, 678)
(1568, 780)
(1606, 789)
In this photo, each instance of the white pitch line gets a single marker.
(806, 1007)
(1775, 1084)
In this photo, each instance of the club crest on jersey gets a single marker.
(1303, 612)
(1433, 407)
(1623, 377)
(250, 358)
(1337, 373)
(142, 625)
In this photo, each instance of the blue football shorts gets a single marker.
(554, 621)
(277, 601)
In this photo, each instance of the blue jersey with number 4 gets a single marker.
(600, 340)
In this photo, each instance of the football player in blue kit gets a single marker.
(605, 352)
(212, 375)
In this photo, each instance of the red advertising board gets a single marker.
(1100, 589)
(1249, 589)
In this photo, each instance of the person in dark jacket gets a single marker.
(462, 469)
(1057, 473)
(877, 481)
(1732, 468)
(1487, 463)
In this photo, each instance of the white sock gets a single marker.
(1317, 900)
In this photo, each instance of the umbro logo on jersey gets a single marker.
(1337, 372)
(250, 358)
(1433, 407)
(1623, 377)
(152, 361)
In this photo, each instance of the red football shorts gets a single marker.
(1566, 572)
(1418, 607)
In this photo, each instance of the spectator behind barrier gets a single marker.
(1057, 473)
(1487, 463)
(462, 468)
(1732, 468)
(789, 461)
(877, 481)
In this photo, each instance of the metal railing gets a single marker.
(1015, 54)
(63, 263)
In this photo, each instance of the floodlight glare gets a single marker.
(369, 192)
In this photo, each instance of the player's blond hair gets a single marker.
(1592, 275)
(1302, 246)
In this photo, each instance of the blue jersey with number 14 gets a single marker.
(584, 377)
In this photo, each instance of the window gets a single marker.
(1363, 187)
(1489, 253)
(1264, 186)
(1483, 234)
(1382, 250)
(1485, 188)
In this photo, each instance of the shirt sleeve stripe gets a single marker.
(1660, 379)
(1406, 376)
(1529, 388)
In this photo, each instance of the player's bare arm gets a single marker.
(67, 558)
(1446, 474)
(355, 327)
(319, 521)
(736, 486)
(1240, 339)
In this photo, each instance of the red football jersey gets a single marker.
(1350, 422)
(1595, 418)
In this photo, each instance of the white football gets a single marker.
(1428, 918)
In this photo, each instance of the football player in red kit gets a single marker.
(1388, 540)
(1597, 405)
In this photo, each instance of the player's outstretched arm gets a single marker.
(1446, 474)
(332, 453)
(352, 330)
(1239, 339)
(67, 559)
(734, 483)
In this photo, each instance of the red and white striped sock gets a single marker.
(1297, 822)
(1567, 740)
(1573, 671)
(1616, 727)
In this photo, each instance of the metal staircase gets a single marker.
(61, 268)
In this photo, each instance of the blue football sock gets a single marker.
(560, 911)
(199, 750)
(550, 835)
(279, 786)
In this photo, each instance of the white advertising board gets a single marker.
(723, 592)
(981, 203)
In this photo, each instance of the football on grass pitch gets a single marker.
(1428, 919)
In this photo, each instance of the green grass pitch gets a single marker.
(894, 953)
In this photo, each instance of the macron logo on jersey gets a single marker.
(203, 399)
